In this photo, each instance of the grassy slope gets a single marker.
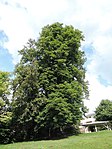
(99, 140)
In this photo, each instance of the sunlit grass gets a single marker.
(99, 140)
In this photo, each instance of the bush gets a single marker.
(5, 135)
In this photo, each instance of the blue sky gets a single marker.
(23, 19)
(6, 63)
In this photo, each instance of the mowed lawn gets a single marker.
(99, 140)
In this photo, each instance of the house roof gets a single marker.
(95, 123)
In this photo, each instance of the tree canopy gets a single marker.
(104, 111)
(49, 84)
(4, 91)
(5, 113)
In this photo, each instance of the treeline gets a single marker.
(47, 89)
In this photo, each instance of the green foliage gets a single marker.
(104, 111)
(4, 91)
(49, 84)
(5, 133)
(5, 113)
(4, 85)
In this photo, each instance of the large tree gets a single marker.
(49, 84)
(104, 111)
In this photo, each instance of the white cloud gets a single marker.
(15, 24)
(97, 92)
(94, 19)
(23, 19)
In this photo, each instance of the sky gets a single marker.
(24, 19)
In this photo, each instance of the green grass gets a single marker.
(99, 140)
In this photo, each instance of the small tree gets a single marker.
(104, 111)
(5, 114)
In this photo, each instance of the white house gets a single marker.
(88, 124)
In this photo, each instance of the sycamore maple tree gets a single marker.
(49, 84)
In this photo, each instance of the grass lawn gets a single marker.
(99, 140)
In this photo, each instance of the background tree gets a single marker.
(49, 84)
(104, 111)
(5, 113)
